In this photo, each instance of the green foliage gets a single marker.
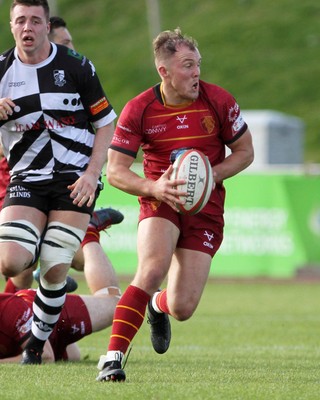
(264, 52)
(246, 341)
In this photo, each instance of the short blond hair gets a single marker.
(167, 42)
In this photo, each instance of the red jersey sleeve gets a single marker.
(128, 135)
(227, 110)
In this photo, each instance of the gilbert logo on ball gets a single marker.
(194, 167)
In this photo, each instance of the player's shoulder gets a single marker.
(139, 103)
(6, 59)
(7, 53)
(70, 57)
(213, 90)
(145, 96)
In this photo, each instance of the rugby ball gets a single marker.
(194, 167)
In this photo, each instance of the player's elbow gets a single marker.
(111, 175)
(249, 157)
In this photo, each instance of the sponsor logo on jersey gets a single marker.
(208, 124)
(2, 58)
(99, 106)
(161, 128)
(120, 140)
(74, 54)
(25, 328)
(182, 124)
(23, 324)
(124, 127)
(233, 113)
(17, 84)
(46, 124)
(59, 77)
(238, 124)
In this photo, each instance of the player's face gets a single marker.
(30, 31)
(183, 74)
(62, 36)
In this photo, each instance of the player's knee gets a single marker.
(22, 240)
(78, 261)
(10, 268)
(59, 245)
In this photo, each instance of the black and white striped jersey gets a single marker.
(58, 104)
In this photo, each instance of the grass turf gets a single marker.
(246, 341)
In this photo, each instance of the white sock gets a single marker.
(154, 304)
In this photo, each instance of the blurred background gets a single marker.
(266, 53)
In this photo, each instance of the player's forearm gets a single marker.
(232, 165)
(129, 182)
(241, 157)
(100, 148)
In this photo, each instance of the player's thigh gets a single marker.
(35, 216)
(79, 220)
(23, 225)
(157, 238)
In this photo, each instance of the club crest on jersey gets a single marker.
(207, 123)
(59, 77)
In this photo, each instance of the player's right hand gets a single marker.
(6, 108)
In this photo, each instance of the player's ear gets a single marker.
(162, 70)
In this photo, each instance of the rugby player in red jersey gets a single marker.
(181, 111)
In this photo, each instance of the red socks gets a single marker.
(92, 235)
(161, 301)
(128, 318)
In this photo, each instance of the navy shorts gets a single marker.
(46, 195)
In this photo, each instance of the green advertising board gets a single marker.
(272, 227)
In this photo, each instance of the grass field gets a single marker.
(247, 340)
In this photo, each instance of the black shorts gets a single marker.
(46, 195)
